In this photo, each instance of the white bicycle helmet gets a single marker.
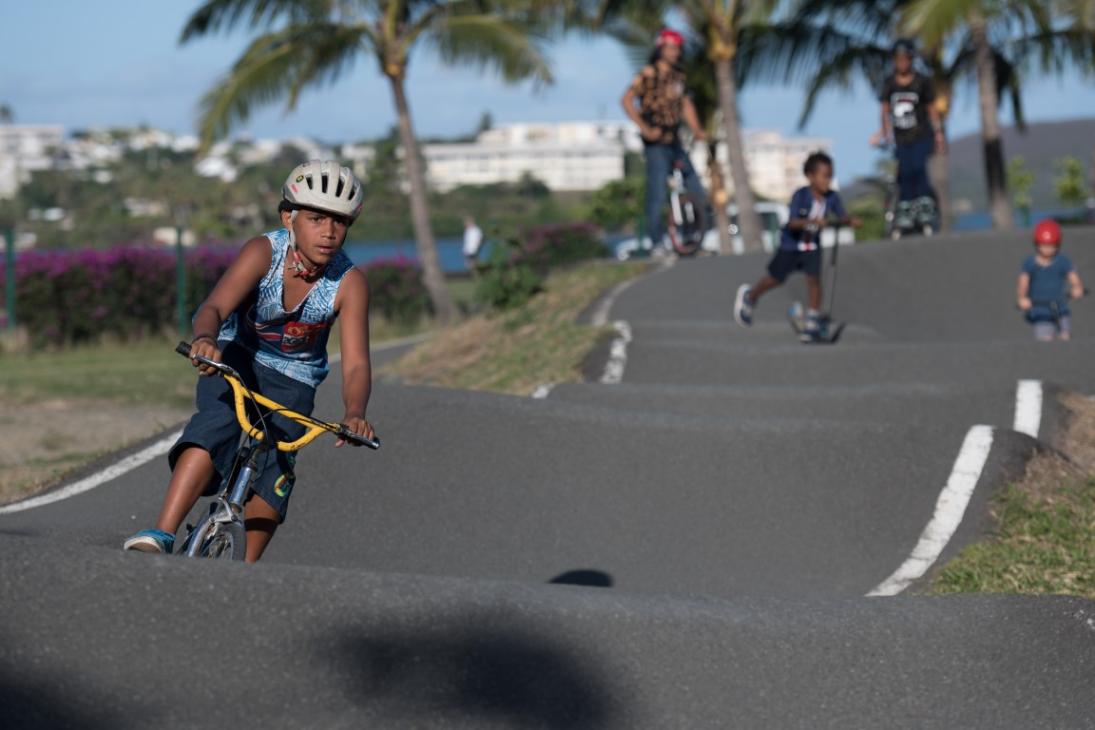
(324, 185)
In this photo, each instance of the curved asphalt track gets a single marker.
(739, 492)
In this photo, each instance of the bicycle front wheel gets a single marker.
(217, 540)
(687, 229)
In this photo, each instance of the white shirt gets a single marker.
(473, 238)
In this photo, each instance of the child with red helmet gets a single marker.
(1047, 282)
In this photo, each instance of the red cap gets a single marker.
(1047, 233)
(668, 35)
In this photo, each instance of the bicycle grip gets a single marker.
(348, 435)
(183, 348)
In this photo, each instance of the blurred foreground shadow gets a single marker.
(471, 670)
(586, 577)
(50, 701)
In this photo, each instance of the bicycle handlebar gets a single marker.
(241, 393)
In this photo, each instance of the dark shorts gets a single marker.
(784, 263)
(214, 427)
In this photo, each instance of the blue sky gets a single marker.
(112, 62)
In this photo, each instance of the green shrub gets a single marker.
(508, 280)
(396, 289)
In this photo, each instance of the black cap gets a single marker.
(906, 46)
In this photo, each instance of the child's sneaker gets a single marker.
(743, 308)
(151, 541)
(811, 330)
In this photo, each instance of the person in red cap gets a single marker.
(663, 103)
(1047, 282)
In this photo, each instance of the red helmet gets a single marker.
(668, 35)
(1047, 233)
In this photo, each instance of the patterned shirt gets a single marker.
(661, 101)
(292, 343)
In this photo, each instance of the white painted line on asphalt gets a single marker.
(149, 453)
(604, 308)
(1028, 407)
(543, 391)
(600, 314)
(113, 471)
(949, 510)
(617, 357)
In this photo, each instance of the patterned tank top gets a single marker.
(292, 343)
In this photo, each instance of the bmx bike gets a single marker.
(220, 533)
(688, 220)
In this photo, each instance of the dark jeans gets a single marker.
(912, 169)
(659, 164)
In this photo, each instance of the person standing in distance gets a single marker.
(663, 102)
(911, 121)
(473, 239)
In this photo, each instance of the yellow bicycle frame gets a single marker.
(315, 428)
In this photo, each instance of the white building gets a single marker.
(25, 148)
(774, 161)
(564, 156)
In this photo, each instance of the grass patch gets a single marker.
(1044, 541)
(515, 351)
(146, 371)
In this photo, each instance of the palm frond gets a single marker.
(276, 65)
(489, 41)
(215, 16)
(934, 20)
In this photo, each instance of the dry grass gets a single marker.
(516, 351)
(1044, 541)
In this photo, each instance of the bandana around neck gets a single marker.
(300, 270)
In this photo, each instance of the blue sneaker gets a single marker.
(743, 306)
(151, 541)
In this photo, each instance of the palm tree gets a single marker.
(724, 23)
(304, 43)
(982, 22)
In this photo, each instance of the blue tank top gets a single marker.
(292, 343)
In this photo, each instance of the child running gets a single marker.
(1046, 283)
(269, 317)
(799, 247)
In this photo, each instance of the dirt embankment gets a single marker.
(42, 441)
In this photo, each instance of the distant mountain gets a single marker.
(1043, 144)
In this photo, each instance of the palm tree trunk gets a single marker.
(432, 275)
(995, 173)
(748, 220)
(719, 198)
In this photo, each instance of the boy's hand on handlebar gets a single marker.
(205, 347)
(358, 425)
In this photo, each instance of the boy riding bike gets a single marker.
(663, 104)
(1047, 282)
(269, 317)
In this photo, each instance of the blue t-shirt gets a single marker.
(802, 202)
(1048, 284)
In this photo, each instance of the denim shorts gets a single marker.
(215, 429)
(786, 262)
